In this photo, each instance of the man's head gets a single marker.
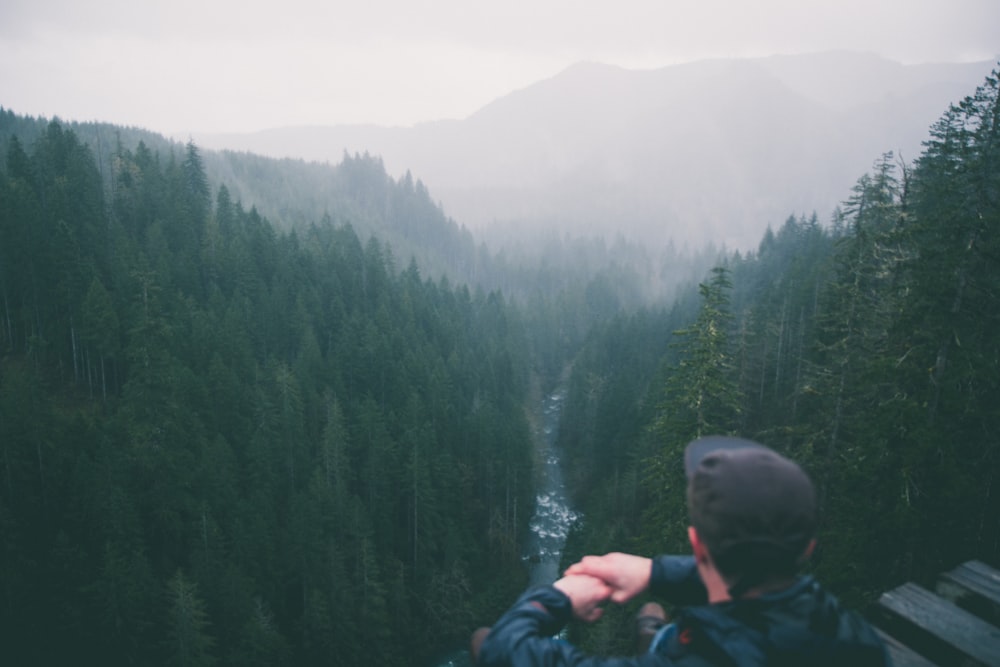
(752, 509)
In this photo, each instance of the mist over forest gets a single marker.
(704, 152)
(261, 410)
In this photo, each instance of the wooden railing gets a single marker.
(956, 625)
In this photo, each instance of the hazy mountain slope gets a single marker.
(291, 194)
(713, 150)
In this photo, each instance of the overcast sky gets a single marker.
(179, 66)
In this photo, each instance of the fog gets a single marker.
(659, 120)
(714, 151)
(183, 66)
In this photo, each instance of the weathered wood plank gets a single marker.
(975, 587)
(902, 655)
(938, 629)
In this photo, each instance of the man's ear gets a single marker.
(808, 551)
(697, 546)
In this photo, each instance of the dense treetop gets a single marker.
(225, 443)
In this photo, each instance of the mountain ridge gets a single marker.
(708, 151)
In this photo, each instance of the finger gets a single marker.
(584, 569)
(586, 565)
(619, 596)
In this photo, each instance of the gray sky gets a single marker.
(179, 66)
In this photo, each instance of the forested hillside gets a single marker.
(293, 194)
(225, 444)
(525, 262)
(869, 350)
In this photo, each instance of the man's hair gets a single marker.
(753, 509)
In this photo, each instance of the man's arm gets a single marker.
(523, 637)
(674, 578)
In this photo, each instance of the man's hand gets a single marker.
(586, 593)
(625, 574)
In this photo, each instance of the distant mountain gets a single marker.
(707, 151)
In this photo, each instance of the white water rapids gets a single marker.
(553, 516)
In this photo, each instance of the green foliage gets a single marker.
(189, 643)
(225, 444)
(948, 351)
(701, 396)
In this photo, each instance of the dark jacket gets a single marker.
(802, 625)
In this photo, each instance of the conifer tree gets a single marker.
(948, 348)
(100, 329)
(190, 643)
(701, 397)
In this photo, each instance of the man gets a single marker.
(753, 520)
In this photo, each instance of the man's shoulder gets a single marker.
(801, 625)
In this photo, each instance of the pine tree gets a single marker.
(858, 312)
(846, 441)
(948, 347)
(100, 331)
(701, 397)
(189, 644)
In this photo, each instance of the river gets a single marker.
(553, 515)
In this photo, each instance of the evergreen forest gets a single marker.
(297, 431)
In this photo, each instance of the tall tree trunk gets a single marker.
(781, 340)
